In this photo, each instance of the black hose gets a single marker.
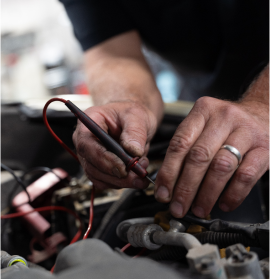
(18, 179)
(168, 253)
(223, 239)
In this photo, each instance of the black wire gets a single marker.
(18, 179)
(37, 169)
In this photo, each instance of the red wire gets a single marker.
(140, 253)
(91, 214)
(91, 211)
(50, 129)
(125, 247)
(52, 269)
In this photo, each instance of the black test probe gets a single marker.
(130, 162)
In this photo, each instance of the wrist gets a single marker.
(257, 109)
(258, 91)
(126, 85)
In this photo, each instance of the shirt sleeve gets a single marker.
(95, 21)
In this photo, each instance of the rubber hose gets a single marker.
(168, 253)
(223, 239)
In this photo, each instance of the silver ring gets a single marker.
(234, 151)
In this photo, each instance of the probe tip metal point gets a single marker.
(150, 179)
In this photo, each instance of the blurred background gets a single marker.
(41, 57)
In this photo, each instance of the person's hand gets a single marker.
(132, 125)
(195, 170)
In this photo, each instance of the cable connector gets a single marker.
(8, 260)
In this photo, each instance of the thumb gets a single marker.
(134, 135)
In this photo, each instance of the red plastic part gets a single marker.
(135, 166)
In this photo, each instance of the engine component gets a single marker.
(117, 205)
(175, 239)
(197, 254)
(153, 237)
(50, 246)
(7, 260)
(124, 226)
(140, 236)
(224, 233)
(168, 253)
(218, 225)
(212, 268)
(40, 190)
(224, 240)
(265, 267)
(241, 263)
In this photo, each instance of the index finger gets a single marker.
(184, 138)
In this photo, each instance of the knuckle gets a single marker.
(179, 143)
(223, 165)
(199, 155)
(229, 110)
(138, 133)
(134, 108)
(246, 176)
(203, 101)
(184, 192)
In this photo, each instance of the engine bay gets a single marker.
(38, 225)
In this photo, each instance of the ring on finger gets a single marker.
(234, 151)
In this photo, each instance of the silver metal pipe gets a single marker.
(176, 239)
(123, 227)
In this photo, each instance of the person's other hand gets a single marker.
(195, 170)
(129, 123)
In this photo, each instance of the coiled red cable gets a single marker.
(50, 129)
(91, 211)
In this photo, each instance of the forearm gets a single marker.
(118, 71)
(258, 91)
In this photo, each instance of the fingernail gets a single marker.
(198, 211)
(144, 162)
(136, 145)
(116, 172)
(224, 207)
(162, 193)
(137, 183)
(177, 209)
